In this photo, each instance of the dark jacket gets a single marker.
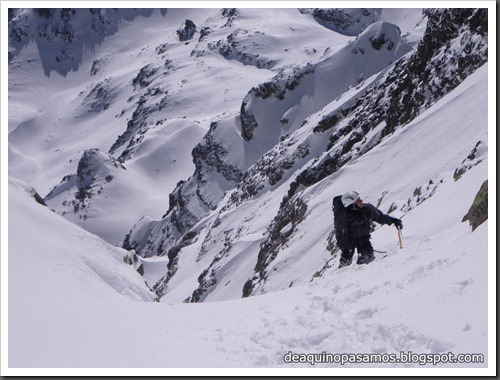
(352, 224)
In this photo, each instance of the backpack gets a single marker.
(337, 205)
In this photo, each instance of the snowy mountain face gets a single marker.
(309, 123)
(201, 149)
(289, 132)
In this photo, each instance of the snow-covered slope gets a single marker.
(209, 144)
(303, 241)
(147, 104)
(66, 310)
(226, 217)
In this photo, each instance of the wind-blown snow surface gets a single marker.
(75, 303)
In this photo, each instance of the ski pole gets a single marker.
(400, 238)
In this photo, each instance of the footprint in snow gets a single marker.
(365, 313)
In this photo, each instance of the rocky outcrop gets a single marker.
(475, 157)
(161, 286)
(478, 212)
(280, 161)
(99, 97)
(152, 99)
(62, 34)
(247, 119)
(95, 170)
(276, 87)
(209, 152)
(191, 200)
(284, 225)
(132, 259)
(234, 48)
(186, 31)
(93, 167)
(413, 85)
(350, 22)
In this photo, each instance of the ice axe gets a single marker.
(400, 237)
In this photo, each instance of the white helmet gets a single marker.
(349, 198)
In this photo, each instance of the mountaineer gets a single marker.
(352, 227)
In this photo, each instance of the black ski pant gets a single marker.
(362, 244)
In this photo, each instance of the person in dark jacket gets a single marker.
(352, 227)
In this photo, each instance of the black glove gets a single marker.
(398, 223)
